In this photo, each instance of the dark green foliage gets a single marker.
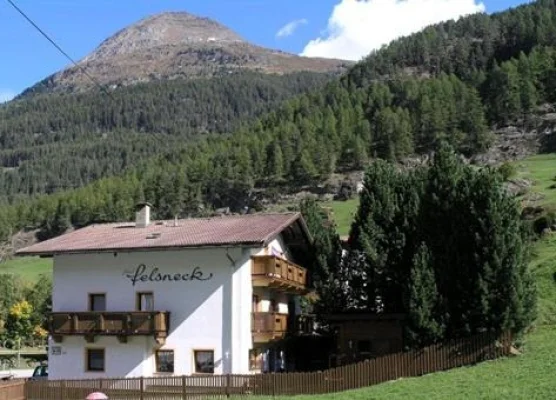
(383, 232)
(464, 47)
(507, 170)
(59, 141)
(424, 326)
(327, 255)
(40, 297)
(444, 245)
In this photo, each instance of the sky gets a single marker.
(347, 29)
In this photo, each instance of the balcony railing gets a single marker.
(272, 271)
(120, 324)
(267, 326)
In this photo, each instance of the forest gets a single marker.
(61, 141)
(452, 83)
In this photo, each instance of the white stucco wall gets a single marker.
(214, 314)
(206, 315)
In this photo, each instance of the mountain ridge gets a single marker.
(177, 45)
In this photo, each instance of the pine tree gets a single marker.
(423, 325)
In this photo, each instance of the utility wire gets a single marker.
(43, 33)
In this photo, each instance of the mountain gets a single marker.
(177, 45)
(55, 141)
(459, 82)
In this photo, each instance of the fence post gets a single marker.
(183, 388)
(142, 388)
(228, 385)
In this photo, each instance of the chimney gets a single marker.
(143, 215)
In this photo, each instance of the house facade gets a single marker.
(196, 296)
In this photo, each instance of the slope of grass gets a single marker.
(529, 376)
(344, 212)
(29, 268)
(541, 169)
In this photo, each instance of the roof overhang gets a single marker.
(300, 238)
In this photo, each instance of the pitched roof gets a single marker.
(244, 230)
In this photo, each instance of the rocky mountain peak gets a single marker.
(161, 30)
(176, 45)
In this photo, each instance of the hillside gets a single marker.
(177, 45)
(51, 142)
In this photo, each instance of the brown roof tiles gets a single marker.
(247, 230)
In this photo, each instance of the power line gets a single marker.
(43, 33)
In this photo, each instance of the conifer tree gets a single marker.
(424, 325)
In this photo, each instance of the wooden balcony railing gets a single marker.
(275, 272)
(120, 324)
(267, 326)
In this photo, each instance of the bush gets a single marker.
(507, 170)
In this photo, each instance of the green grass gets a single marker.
(541, 169)
(344, 212)
(529, 376)
(29, 268)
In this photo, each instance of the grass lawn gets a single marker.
(541, 169)
(344, 212)
(29, 268)
(530, 376)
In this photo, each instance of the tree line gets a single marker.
(61, 141)
(442, 244)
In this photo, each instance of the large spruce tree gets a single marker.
(444, 245)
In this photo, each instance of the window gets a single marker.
(145, 301)
(97, 302)
(204, 361)
(164, 361)
(95, 360)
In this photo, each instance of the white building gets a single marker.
(195, 296)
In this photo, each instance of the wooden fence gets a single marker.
(12, 390)
(366, 373)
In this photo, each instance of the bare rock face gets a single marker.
(177, 45)
(162, 30)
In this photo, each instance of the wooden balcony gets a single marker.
(267, 326)
(275, 272)
(120, 324)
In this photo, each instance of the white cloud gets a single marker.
(356, 27)
(290, 28)
(6, 95)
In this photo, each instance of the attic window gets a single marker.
(155, 235)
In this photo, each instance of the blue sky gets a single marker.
(328, 28)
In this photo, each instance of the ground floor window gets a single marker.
(164, 360)
(95, 360)
(204, 361)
